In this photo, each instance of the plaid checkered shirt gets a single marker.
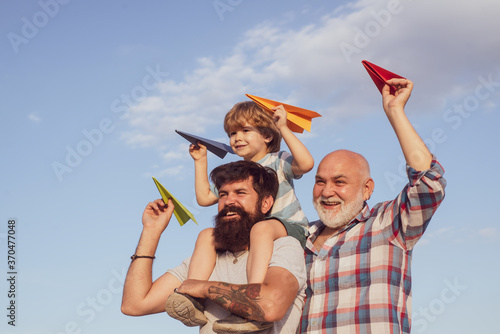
(360, 281)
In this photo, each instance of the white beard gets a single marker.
(347, 211)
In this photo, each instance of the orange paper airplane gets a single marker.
(380, 75)
(298, 119)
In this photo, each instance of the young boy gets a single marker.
(255, 136)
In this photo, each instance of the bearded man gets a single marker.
(358, 259)
(246, 194)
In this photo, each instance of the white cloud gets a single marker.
(173, 171)
(177, 171)
(178, 153)
(34, 117)
(442, 47)
(136, 138)
(442, 232)
(465, 234)
(423, 242)
(489, 233)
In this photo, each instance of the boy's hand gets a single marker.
(198, 151)
(279, 117)
(400, 97)
(157, 215)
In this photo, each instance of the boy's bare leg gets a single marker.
(183, 307)
(262, 237)
(190, 311)
(204, 256)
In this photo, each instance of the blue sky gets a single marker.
(93, 91)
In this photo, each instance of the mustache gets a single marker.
(330, 200)
(233, 234)
(231, 208)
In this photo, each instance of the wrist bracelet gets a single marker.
(133, 257)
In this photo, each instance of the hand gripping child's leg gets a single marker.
(262, 238)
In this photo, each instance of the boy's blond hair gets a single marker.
(250, 112)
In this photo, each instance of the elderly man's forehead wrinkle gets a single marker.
(347, 162)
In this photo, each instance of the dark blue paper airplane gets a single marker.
(219, 149)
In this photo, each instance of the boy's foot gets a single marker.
(235, 324)
(186, 309)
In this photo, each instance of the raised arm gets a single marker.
(204, 196)
(268, 301)
(141, 295)
(303, 161)
(414, 149)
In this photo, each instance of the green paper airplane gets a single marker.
(181, 213)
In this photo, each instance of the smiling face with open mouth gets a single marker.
(230, 213)
(342, 186)
(335, 213)
(232, 228)
(240, 194)
(233, 214)
(239, 209)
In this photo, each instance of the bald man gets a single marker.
(357, 258)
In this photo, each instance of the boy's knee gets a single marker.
(270, 228)
(262, 227)
(206, 234)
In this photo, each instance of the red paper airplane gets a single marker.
(380, 76)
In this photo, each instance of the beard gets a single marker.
(234, 234)
(347, 211)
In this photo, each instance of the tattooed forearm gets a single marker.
(238, 299)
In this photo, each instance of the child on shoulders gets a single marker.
(256, 136)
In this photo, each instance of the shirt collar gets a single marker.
(364, 214)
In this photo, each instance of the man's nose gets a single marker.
(230, 199)
(328, 190)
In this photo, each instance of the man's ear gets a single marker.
(368, 187)
(267, 204)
